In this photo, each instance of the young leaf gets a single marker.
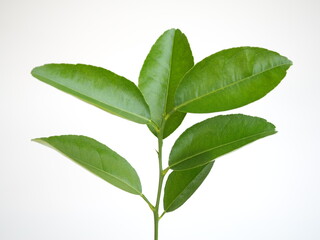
(98, 159)
(167, 62)
(209, 139)
(230, 79)
(182, 184)
(97, 86)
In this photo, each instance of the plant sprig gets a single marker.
(170, 86)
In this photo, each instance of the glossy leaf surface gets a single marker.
(207, 140)
(182, 184)
(97, 86)
(167, 62)
(98, 159)
(230, 79)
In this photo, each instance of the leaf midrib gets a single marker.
(184, 189)
(165, 102)
(113, 176)
(230, 85)
(94, 101)
(95, 168)
(220, 146)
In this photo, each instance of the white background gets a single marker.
(267, 190)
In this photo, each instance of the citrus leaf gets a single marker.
(209, 139)
(182, 184)
(97, 86)
(98, 159)
(167, 62)
(230, 79)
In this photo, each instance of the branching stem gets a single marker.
(161, 177)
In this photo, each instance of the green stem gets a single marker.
(156, 225)
(147, 201)
(161, 176)
(162, 215)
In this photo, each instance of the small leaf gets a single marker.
(182, 184)
(209, 139)
(98, 159)
(97, 86)
(230, 79)
(167, 62)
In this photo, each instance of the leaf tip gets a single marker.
(41, 141)
(36, 71)
(38, 140)
(33, 71)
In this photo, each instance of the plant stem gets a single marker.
(161, 177)
(156, 225)
(162, 215)
(147, 201)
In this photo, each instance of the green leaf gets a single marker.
(230, 79)
(98, 159)
(207, 140)
(97, 86)
(182, 184)
(167, 62)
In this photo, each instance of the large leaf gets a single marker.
(230, 79)
(97, 86)
(207, 140)
(182, 184)
(98, 159)
(167, 62)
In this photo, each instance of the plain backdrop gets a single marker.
(267, 190)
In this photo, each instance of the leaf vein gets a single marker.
(219, 146)
(229, 85)
(94, 101)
